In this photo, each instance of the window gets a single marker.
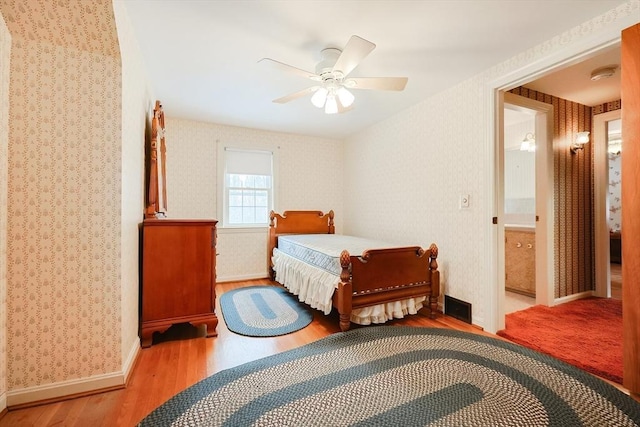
(248, 187)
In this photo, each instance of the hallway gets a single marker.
(517, 302)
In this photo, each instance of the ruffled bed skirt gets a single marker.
(315, 287)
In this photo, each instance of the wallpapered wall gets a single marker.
(137, 104)
(574, 251)
(615, 194)
(404, 186)
(64, 185)
(309, 175)
(5, 52)
(615, 170)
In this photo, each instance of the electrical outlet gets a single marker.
(464, 201)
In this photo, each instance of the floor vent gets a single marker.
(456, 308)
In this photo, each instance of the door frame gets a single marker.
(600, 198)
(562, 56)
(544, 187)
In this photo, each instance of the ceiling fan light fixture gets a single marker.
(331, 106)
(332, 89)
(320, 97)
(346, 97)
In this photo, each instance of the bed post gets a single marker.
(344, 292)
(332, 228)
(271, 243)
(435, 280)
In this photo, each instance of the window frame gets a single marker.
(228, 189)
(223, 188)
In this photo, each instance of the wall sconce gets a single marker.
(528, 143)
(581, 139)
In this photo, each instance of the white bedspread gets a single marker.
(309, 266)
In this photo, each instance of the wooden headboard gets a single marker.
(296, 222)
(302, 222)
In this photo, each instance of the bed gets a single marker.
(370, 284)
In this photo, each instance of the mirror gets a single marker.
(157, 167)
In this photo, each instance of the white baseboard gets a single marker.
(3, 402)
(573, 297)
(222, 279)
(130, 361)
(62, 389)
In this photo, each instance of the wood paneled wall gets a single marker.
(574, 250)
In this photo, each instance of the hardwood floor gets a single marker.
(616, 281)
(178, 359)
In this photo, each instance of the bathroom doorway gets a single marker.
(527, 177)
(519, 207)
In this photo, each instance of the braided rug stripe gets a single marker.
(263, 311)
(403, 376)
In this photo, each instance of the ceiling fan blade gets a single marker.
(296, 95)
(290, 69)
(355, 51)
(377, 83)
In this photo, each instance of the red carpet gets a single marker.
(586, 333)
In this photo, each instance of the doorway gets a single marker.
(519, 207)
(526, 174)
(608, 224)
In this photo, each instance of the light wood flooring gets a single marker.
(176, 362)
(616, 281)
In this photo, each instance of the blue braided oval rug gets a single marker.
(401, 376)
(263, 311)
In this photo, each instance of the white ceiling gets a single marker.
(574, 82)
(202, 56)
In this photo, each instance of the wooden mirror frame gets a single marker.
(157, 167)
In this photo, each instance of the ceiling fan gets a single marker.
(332, 76)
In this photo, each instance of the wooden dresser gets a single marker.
(178, 275)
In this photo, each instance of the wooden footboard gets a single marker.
(384, 275)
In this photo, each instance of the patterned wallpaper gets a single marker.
(64, 192)
(607, 106)
(76, 25)
(405, 175)
(309, 176)
(615, 170)
(137, 103)
(5, 52)
(615, 194)
(574, 251)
